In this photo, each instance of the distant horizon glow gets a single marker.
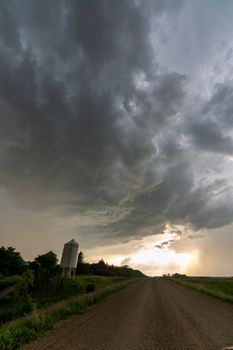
(154, 261)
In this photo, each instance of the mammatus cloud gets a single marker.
(94, 125)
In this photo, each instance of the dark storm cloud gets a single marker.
(208, 135)
(211, 130)
(204, 206)
(81, 119)
(220, 106)
(148, 208)
(8, 25)
(104, 30)
(84, 113)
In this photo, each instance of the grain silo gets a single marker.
(69, 258)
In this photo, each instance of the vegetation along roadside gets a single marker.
(34, 296)
(219, 287)
(18, 332)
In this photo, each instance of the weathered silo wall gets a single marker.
(69, 258)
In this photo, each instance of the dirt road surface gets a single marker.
(154, 314)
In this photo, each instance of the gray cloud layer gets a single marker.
(92, 123)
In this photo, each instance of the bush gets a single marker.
(25, 287)
(90, 287)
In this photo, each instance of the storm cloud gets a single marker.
(96, 125)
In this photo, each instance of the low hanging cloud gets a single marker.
(92, 123)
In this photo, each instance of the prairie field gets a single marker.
(220, 287)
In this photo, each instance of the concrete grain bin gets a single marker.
(69, 258)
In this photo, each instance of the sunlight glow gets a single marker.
(157, 256)
(154, 262)
(162, 258)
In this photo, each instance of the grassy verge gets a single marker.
(13, 307)
(16, 333)
(74, 286)
(219, 287)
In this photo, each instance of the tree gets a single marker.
(47, 261)
(25, 286)
(82, 267)
(101, 268)
(11, 262)
(45, 270)
(80, 258)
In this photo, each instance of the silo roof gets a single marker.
(73, 242)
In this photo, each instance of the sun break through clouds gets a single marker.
(116, 123)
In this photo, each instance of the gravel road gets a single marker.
(151, 314)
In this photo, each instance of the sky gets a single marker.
(117, 130)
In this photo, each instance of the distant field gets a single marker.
(220, 287)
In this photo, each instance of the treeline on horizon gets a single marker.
(12, 263)
(104, 269)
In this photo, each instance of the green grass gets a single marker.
(220, 287)
(7, 281)
(74, 286)
(13, 307)
(10, 307)
(16, 333)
